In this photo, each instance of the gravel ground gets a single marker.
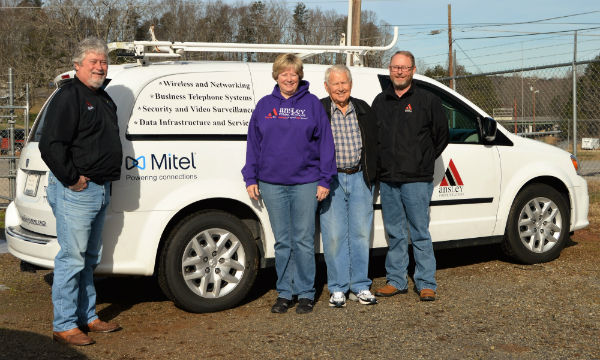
(487, 308)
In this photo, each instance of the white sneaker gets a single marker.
(337, 299)
(364, 297)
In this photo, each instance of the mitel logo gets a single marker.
(162, 162)
(452, 182)
(139, 163)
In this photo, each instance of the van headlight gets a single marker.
(575, 163)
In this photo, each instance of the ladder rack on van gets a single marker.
(144, 50)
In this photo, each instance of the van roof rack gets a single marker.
(144, 50)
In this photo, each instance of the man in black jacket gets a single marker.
(346, 215)
(80, 144)
(413, 132)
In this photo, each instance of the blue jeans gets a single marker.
(292, 212)
(79, 220)
(346, 222)
(405, 207)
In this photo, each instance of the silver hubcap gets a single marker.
(213, 263)
(540, 225)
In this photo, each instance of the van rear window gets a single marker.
(215, 103)
(38, 126)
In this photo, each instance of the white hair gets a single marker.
(337, 68)
(87, 45)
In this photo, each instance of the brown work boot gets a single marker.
(389, 290)
(72, 337)
(100, 326)
(427, 295)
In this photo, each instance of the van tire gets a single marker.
(532, 235)
(217, 276)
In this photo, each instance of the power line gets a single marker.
(501, 45)
(530, 49)
(530, 58)
(474, 64)
(528, 34)
(541, 20)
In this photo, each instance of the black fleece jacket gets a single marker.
(80, 135)
(413, 132)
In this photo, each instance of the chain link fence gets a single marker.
(539, 103)
(14, 125)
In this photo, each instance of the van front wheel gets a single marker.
(209, 262)
(538, 225)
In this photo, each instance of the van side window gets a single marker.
(463, 127)
(462, 122)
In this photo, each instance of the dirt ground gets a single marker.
(487, 307)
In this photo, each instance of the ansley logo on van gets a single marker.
(162, 162)
(452, 184)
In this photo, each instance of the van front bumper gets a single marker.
(580, 206)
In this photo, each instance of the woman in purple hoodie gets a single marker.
(290, 157)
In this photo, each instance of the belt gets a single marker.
(350, 171)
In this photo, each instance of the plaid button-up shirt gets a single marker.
(346, 136)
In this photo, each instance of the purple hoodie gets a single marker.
(289, 141)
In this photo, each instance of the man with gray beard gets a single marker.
(80, 144)
(413, 132)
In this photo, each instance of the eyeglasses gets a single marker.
(400, 68)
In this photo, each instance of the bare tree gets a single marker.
(37, 37)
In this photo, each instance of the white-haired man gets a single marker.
(346, 215)
(80, 144)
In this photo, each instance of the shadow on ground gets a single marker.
(27, 345)
(122, 293)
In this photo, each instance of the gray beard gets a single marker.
(97, 84)
(402, 86)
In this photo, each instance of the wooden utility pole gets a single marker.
(450, 61)
(353, 27)
(349, 33)
(356, 22)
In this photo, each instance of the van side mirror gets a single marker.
(488, 128)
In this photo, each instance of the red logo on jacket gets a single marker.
(270, 116)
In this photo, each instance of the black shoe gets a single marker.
(281, 306)
(304, 306)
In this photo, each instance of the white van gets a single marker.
(180, 210)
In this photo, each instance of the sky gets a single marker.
(487, 35)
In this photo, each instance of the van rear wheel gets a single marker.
(538, 225)
(209, 262)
